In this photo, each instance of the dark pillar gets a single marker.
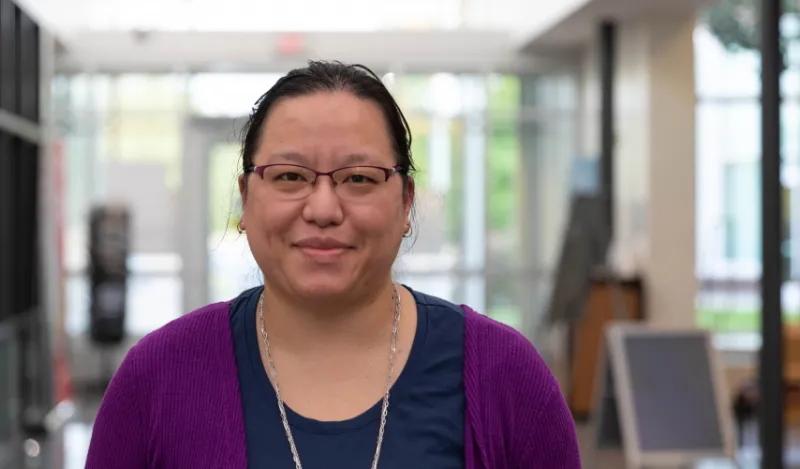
(608, 44)
(771, 367)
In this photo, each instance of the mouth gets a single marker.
(322, 248)
(322, 252)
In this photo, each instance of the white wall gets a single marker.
(654, 159)
(671, 268)
(523, 18)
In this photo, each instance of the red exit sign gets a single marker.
(291, 44)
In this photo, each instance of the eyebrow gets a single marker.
(291, 156)
(299, 158)
(358, 158)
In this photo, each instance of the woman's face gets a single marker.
(328, 242)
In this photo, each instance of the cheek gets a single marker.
(378, 222)
(266, 219)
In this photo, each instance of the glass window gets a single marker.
(504, 95)
(742, 211)
(722, 73)
(231, 266)
(446, 114)
(121, 140)
(503, 191)
(504, 173)
(530, 149)
(411, 92)
(227, 94)
(432, 253)
(505, 298)
(790, 130)
(728, 177)
(491, 151)
(134, 92)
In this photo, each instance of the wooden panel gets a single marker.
(587, 340)
(791, 374)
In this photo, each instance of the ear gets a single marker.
(243, 187)
(243, 195)
(408, 197)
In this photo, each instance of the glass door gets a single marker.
(445, 257)
(217, 262)
(232, 268)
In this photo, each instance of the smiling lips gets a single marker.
(322, 248)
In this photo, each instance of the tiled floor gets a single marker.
(67, 449)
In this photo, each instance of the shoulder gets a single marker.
(194, 350)
(437, 304)
(207, 327)
(496, 350)
(184, 347)
(174, 379)
(505, 377)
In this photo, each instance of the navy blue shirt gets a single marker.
(425, 424)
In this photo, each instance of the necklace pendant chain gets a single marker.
(384, 406)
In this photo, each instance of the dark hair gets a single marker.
(331, 76)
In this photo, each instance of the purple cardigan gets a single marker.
(175, 403)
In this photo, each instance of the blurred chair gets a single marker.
(791, 374)
(745, 404)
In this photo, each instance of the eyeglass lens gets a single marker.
(297, 181)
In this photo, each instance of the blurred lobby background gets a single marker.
(140, 104)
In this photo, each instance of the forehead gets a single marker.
(324, 128)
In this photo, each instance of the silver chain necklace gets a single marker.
(384, 407)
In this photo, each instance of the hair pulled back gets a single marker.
(320, 76)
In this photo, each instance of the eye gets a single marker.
(361, 178)
(289, 177)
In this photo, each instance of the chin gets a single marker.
(322, 287)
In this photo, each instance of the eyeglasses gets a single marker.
(295, 182)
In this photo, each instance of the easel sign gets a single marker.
(662, 397)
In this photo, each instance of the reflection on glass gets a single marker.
(444, 285)
(241, 92)
(434, 150)
(503, 299)
(76, 439)
(489, 188)
(721, 73)
(728, 150)
(503, 192)
(77, 304)
(231, 267)
(152, 301)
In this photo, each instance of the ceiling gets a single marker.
(251, 34)
(578, 27)
(533, 26)
(251, 15)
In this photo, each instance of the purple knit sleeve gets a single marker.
(118, 437)
(553, 442)
(515, 402)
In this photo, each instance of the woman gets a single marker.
(331, 364)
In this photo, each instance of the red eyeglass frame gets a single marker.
(389, 172)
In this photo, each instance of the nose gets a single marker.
(323, 207)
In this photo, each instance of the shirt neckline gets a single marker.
(298, 421)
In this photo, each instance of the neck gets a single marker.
(355, 322)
